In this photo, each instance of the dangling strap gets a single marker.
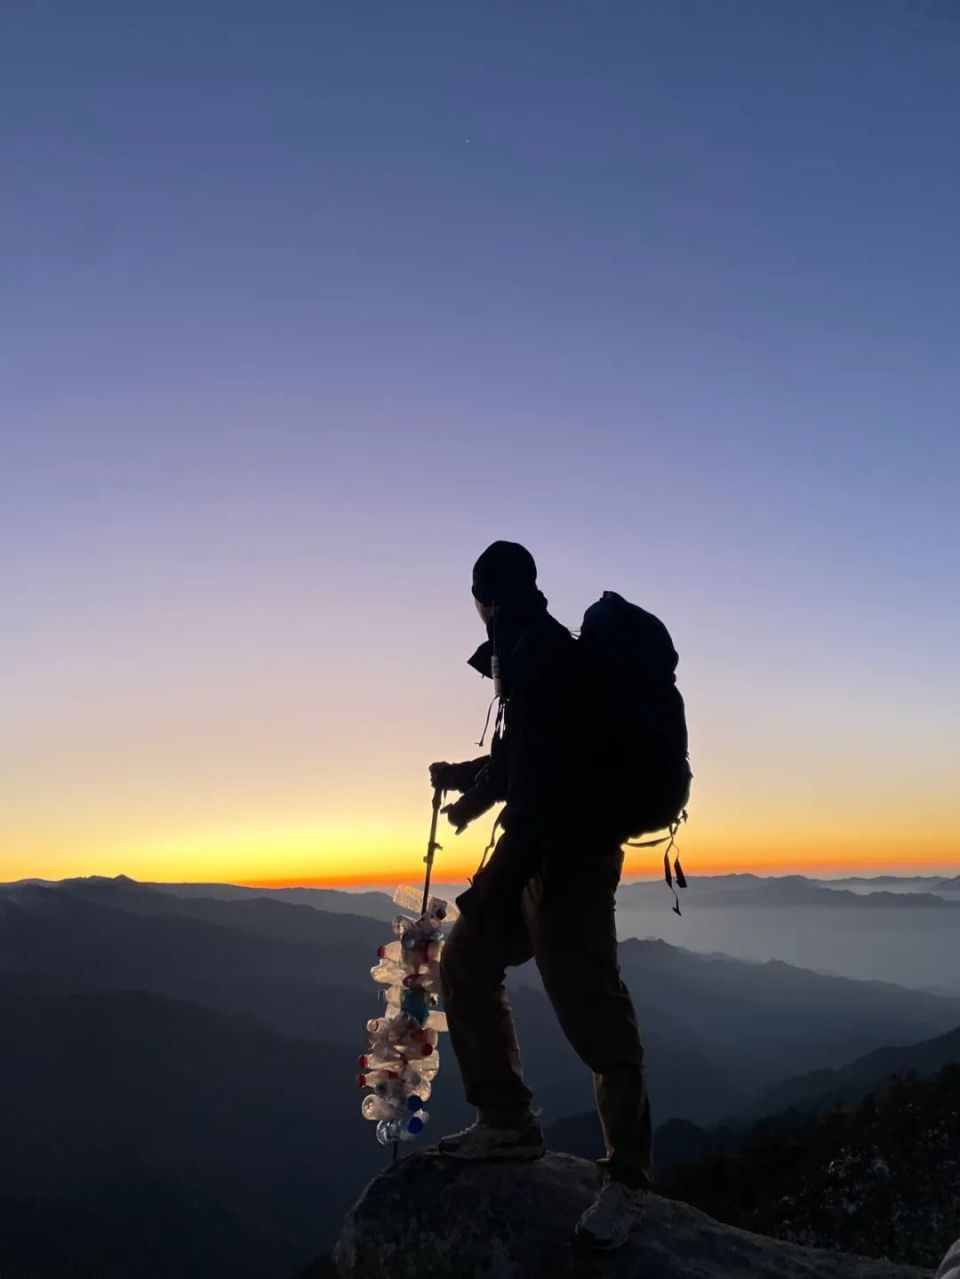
(490, 844)
(677, 868)
(486, 722)
(677, 872)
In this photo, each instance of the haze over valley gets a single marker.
(186, 1052)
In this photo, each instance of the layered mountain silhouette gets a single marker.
(844, 927)
(821, 1089)
(730, 891)
(374, 904)
(125, 1103)
(716, 1028)
(881, 1178)
(789, 1106)
(188, 1059)
(947, 886)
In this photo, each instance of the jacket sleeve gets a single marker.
(489, 786)
(462, 777)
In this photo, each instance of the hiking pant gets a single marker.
(562, 917)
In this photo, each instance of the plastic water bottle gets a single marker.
(418, 1083)
(416, 1004)
(412, 899)
(374, 1107)
(416, 1123)
(401, 1129)
(373, 1076)
(408, 898)
(401, 924)
(415, 1100)
(446, 911)
(381, 1057)
(391, 1130)
(389, 972)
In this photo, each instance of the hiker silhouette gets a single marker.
(546, 893)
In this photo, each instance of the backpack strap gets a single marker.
(671, 841)
(490, 844)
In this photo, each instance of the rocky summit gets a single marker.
(429, 1217)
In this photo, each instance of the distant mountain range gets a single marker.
(374, 904)
(789, 1105)
(371, 904)
(706, 891)
(945, 885)
(881, 1179)
(814, 925)
(724, 891)
(180, 1056)
(722, 1026)
(818, 1090)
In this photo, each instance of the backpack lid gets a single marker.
(615, 631)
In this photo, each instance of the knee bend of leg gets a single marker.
(452, 960)
(463, 963)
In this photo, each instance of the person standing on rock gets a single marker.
(547, 893)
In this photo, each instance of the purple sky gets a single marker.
(304, 303)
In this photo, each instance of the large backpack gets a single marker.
(640, 746)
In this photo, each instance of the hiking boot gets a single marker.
(607, 1223)
(484, 1141)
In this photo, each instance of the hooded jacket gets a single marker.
(540, 764)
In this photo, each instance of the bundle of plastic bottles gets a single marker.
(402, 1058)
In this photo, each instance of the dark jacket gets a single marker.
(541, 764)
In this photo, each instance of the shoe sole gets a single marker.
(506, 1154)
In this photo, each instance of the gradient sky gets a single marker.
(303, 303)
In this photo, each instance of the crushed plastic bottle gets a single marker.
(411, 899)
(374, 1107)
(420, 1094)
(389, 972)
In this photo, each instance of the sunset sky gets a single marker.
(306, 302)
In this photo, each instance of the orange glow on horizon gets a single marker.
(640, 868)
(375, 851)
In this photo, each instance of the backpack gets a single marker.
(639, 724)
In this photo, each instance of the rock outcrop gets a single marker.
(951, 1263)
(431, 1218)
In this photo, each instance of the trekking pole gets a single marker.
(432, 847)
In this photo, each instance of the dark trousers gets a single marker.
(562, 917)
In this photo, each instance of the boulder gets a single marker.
(429, 1217)
(950, 1269)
